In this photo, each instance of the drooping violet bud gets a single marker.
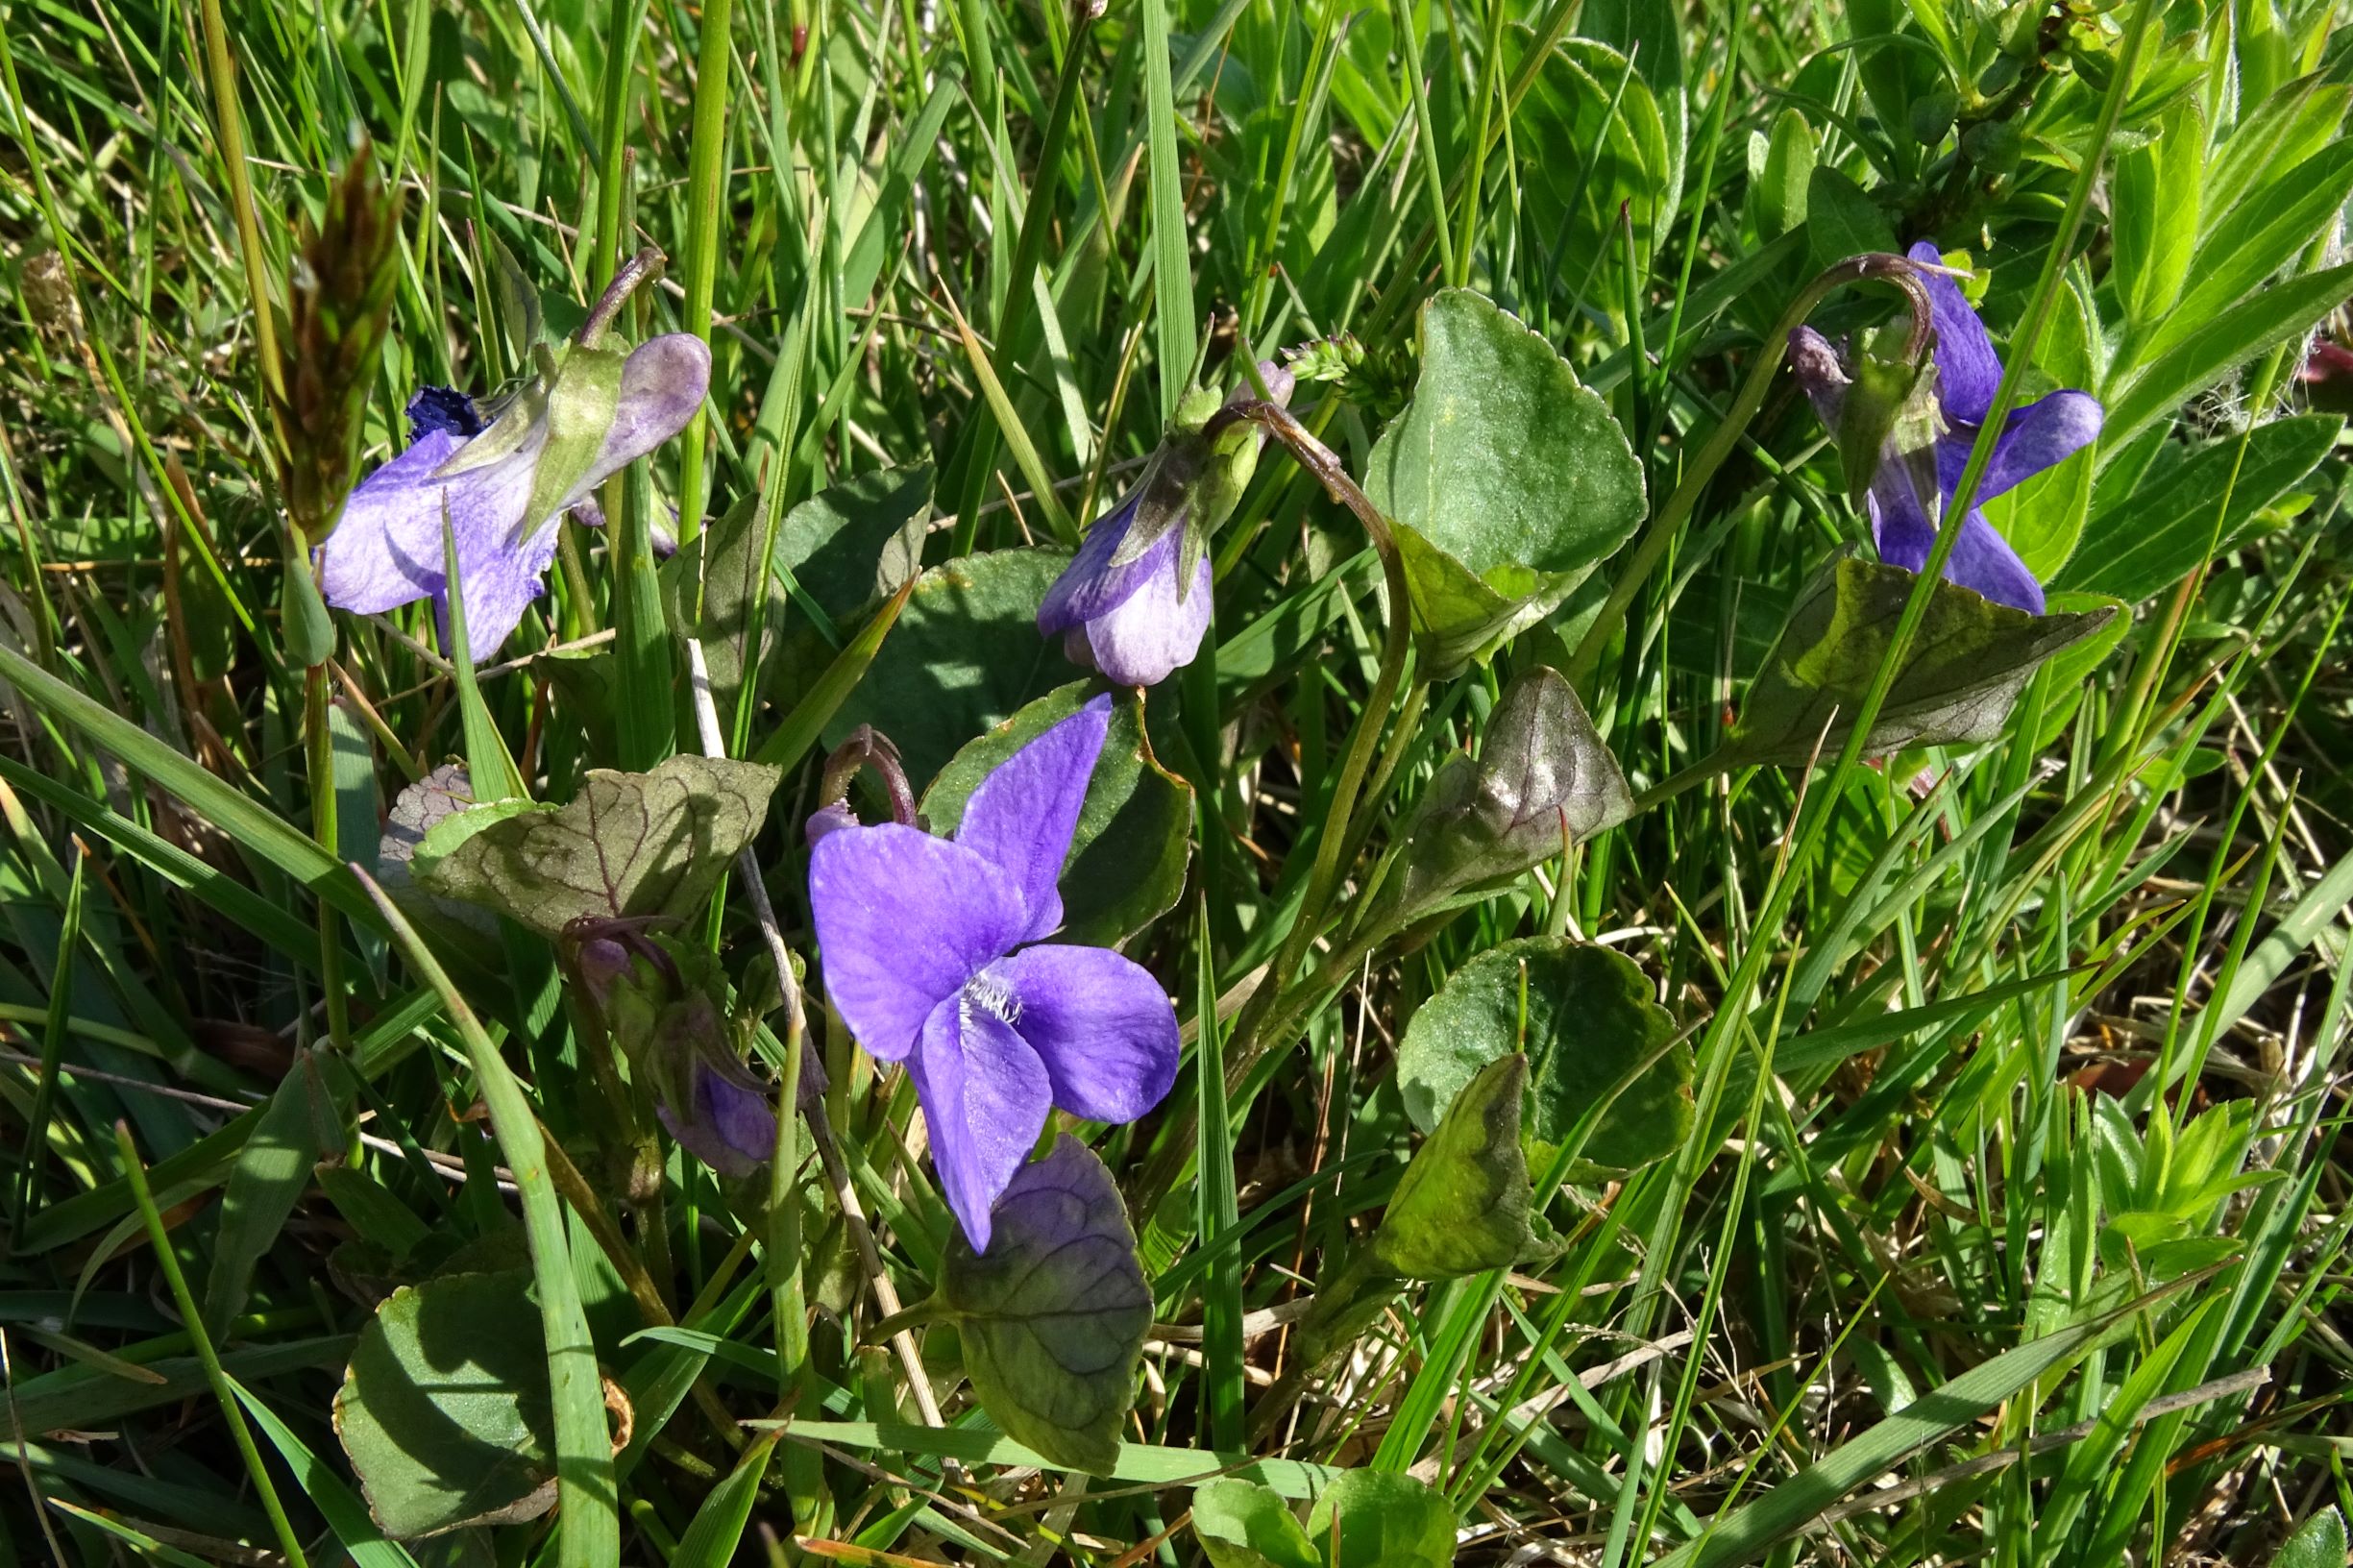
(626, 976)
(603, 963)
(716, 1109)
(1134, 604)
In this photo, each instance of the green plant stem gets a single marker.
(192, 1322)
(1404, 733)
(1249, 1039)
(1245, 1047)
(1473, 174)
(706, 188)
(1669, 520)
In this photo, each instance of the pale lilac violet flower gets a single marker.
(1121, 607)
(385, 550)
(933, 954)
(1128, 622)
(2036, 438)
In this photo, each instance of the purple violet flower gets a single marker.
(2039, 436)
(1124, 611)
(385, 550)
(933, 954)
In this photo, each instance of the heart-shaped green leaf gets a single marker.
(1128, 857)
(630, 843)
(1584, 1016)
(444, 1409)
(1958, 680)
(1052, 1316)
(855, 542)
(1506, 478)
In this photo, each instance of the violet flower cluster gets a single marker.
(1968, 371)
(935, 955)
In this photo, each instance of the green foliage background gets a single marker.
(1935, 1273)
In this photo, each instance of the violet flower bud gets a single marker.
(1134, 604)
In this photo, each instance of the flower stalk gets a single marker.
(1251, 1038)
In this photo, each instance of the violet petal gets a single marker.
(903, 920)
(1090, 586)
(386, 549)
(1102, 1025)
(1154, 633)
(1968, 370)
(662, 384)
(442, 408)
(1023, 814)
(985, 1096)
(1983, 560)
(2042, 435)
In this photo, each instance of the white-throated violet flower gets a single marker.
(1135, 601)
(586, 413)
(933, 953)
(1966, 372)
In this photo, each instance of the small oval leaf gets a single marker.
(444, 1409)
